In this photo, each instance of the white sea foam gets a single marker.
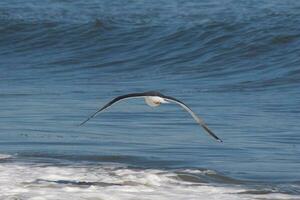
(38, 182)
(4, 156)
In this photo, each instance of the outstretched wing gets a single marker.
(115, 100)
(197, 119)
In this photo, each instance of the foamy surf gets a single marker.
(4, 156)
(111, 182)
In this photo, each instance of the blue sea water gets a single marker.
(235, 63)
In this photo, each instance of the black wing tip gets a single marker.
(81, 124)
(219, 140)
(211, 133)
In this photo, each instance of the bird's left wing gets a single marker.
(115, 100)
(196, 118)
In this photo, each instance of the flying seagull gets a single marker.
(154, 99)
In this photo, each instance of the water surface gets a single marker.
(235, 63)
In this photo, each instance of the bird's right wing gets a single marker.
(196, 118)
(115, 100)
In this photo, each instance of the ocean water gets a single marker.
(235, 63)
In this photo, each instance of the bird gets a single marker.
(155, 99)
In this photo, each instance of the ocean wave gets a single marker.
(85, 181)
(4, 156)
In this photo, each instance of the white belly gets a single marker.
(154, 101)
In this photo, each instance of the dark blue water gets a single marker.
(235, 63)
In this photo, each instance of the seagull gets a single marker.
(154, 99)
